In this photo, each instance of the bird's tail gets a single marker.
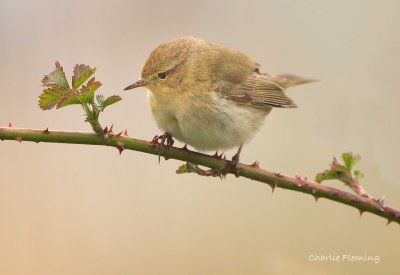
(289, 80)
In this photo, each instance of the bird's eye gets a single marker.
(162, 75)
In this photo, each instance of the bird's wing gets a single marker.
(259, 90)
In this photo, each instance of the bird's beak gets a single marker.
(138, 83)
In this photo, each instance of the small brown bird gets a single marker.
(209, 96)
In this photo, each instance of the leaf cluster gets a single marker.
(59, 93)
(344, 172)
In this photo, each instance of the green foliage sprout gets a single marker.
(58, 93)
(345, 173)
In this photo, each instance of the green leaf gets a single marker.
(111, 100)
(344, 173)
(328, 175)
(80, 96)
(71, 97)
(103, 103)
(88, 90)
(358, 175)
(58, 88)
(49, 97)
(56, 78)
(350, 159)
(81, 74)
(92, 85)
(182, 169)
(100, 100)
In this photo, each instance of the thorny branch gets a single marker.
(362, 202)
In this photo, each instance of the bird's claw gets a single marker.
(232, 166)
(165, 141)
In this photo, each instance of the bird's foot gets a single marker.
(230, 167)
(165, 141)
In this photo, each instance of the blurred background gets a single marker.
(74, 209)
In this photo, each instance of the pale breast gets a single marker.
(208, 123)
(164, 114)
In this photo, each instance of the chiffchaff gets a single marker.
(208, 96)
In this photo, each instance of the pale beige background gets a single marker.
(70, 209)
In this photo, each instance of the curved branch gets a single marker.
(121, 141)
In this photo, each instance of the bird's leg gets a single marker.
(231, 166)
(235, 161)
(166, 142)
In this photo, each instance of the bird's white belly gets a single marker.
(222, 125)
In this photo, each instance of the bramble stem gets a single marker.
(93, 118)
(254, 172)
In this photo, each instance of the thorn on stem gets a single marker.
(273, 186)
(120, 147)
(381, 201)
(46, 131)
(154, 142)
(108, 131)
(117, 135)
(10, 124)
(19, 139)
(279, 175)
(299, 181)
(125, 133)
(184, 148)
(313, 193)
(217, 156)
(256, 164)
(388, 222)
(361, 212)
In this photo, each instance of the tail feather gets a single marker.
(289, 80)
